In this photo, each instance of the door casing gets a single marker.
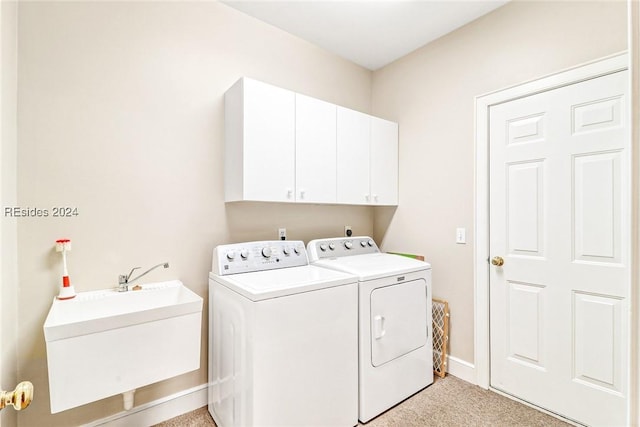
(607, 65)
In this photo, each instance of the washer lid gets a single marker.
(261, 285)
(374, 266)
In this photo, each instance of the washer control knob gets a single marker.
(266, 252)
(332, 246)
(296, 250)
(348, 245)
(244, 254)
(231, 255)
(323, 247)
(370, 242)
(363, 243)
(286, 251)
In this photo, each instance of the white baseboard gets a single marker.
(461, 369)
(191, 399)
(157, 411)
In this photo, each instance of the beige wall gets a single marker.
(8, 227)
(431, 94)
(120, 114)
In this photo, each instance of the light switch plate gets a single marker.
(461, 235)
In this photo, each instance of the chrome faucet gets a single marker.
(125, 279)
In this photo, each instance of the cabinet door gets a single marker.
(315, 150)
(384, 162)
(353, 134)
(398, 320)
(269, 142)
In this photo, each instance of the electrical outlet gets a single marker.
(282, 233)
(347, 231)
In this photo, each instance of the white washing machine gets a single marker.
(283, 345)
(395, 340)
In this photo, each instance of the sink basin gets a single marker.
(95, 311)
(105, 342)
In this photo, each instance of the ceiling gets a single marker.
(371, 33)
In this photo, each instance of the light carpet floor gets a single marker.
(448, 402)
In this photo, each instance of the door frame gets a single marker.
(590, 70)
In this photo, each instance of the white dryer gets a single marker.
(283, 338)
(395, 340)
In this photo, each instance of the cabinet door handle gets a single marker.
(289, 193)
(367, 197)
(375, 197)
(302, 194)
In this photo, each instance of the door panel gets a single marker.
(526, 129)
(526, 341)
(596, 207)
(315, 150)
(269, 135)
(525, 208)
(597, 326)
(597, 115)
(559, 216)
(396, 311)
(353, 136)
(384, 162)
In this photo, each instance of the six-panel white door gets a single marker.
(559, 217)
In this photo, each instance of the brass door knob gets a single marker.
(19, 398)
(497, 261)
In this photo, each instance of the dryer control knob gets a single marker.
(231, 255)
(296, 250)
(266, 252)
(370, 242)
(323, 247)
(244, 254)
(363, 243)
(286, 251)
(332, 246)
(348, 245)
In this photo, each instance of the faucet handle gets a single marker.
(125, 279)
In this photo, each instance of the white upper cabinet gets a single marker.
(315, 150)
(367, 159)
(384, 162)
(281, 146)
(353, 156)
(259, 142)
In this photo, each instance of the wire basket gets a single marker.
(440, 336)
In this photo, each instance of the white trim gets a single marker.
(583, 72)
(461, 369)
(9, 309)
(537, 408)
(634, 46)
(159, 410)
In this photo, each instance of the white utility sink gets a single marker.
(102, 343)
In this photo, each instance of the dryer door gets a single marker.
(398, 320)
